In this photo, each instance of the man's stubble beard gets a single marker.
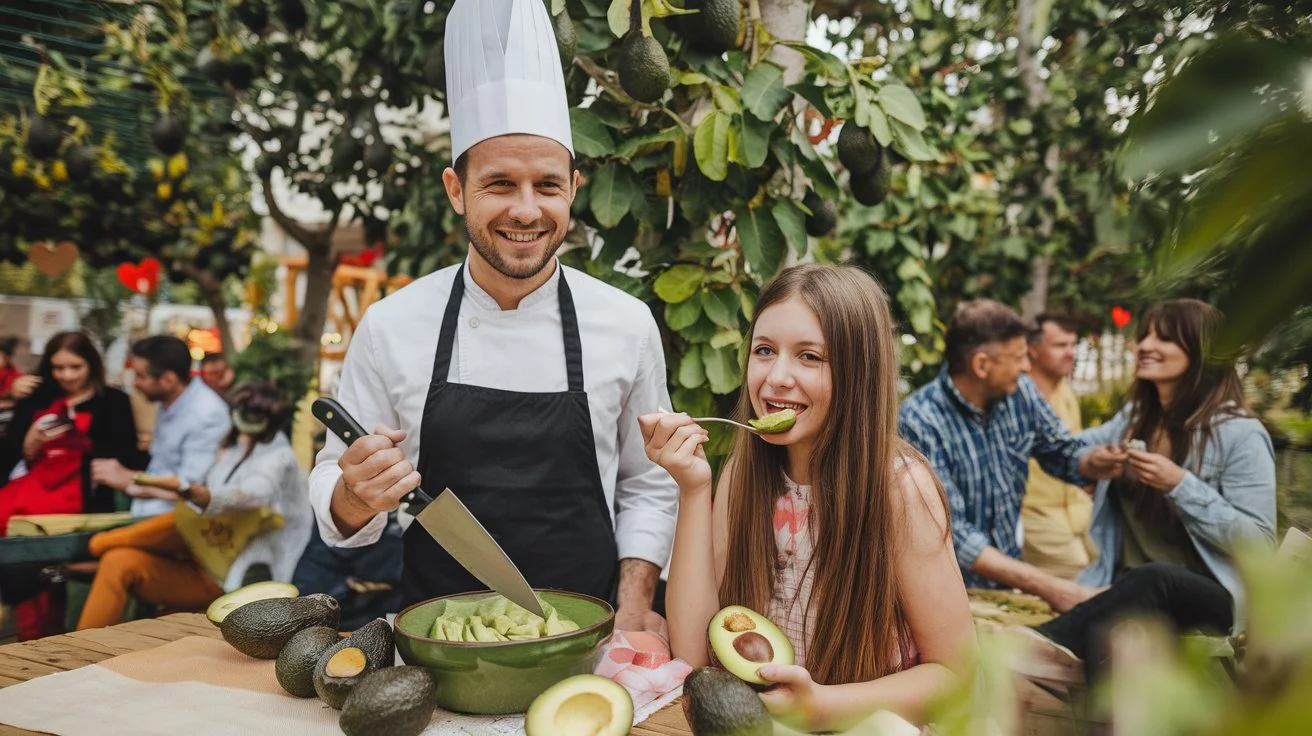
(493, 257)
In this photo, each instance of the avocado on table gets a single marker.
(582, 704)
(742, 641)
(376, 650)
(295, 666)
(716, 703)
(262, 628)
(395, 701)
(229, 602)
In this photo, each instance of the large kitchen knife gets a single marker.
(449, 522)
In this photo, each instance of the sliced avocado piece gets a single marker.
(397, 701)
(716, 703)
(262, 628)
(375, 642)
(296, 661)
(778, 421)
(742, 641)
(582, 704)
(225, 604)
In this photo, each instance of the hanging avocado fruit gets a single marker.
(715, 28)
(43, 137)
(567, 39)
(871, 189)
(644, 69)
(168, 134)
(742, 641)
(715, 703)
(857, 149)
(824, 214)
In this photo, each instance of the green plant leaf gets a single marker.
(912, 144)
(679, 282)
(754, 141)
(591, 138)
(728, 337)
(815, 95)
(721, 369)
(726, 99)
(721, 305)
(762, 241)
(557, 6)
(710, 145)
(764, 93)
(792, 223)
(632, 145)
(613, 191)
(690, 79)
(692, 372)
(822, 179)
(682, 315)
(879, 126)
(618, 17)
(901, 104)
(825, 63)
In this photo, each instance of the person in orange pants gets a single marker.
(148, 559)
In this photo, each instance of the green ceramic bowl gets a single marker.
(488, 678)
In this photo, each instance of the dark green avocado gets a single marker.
(261, 628)
(716, 703)
(375, 640)
(295, 666)
(396, 701)
(643, 67)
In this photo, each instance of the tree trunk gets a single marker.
(318, 289)
(786, 20)
(1036, 96)
(211, 290)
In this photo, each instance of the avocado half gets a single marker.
(588, 704)
(225, 604)
(376, 647)
(742, 641)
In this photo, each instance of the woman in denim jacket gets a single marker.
(1199, 484)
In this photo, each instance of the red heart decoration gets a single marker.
(142, 278)
(1120, 316)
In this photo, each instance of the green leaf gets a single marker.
(692, 372)
(792, 222)
(690, 79)
(632, 145)
(764, 93)
(762, 241)
(710, 145)
(815, 95)
(721, 305)
(557, 6)
(591, 138)
(1021, 126)
(879, 126)
(912, 143)
(726, 99)
(864, 100)
(822, 179)
(698, 402)
(613, 190)
(901, 103)
(682, 315)
(618, 17)
(728, 337)
(826, 63)
(722, 369)
(922, 10)
(754, 141)
(679, 282)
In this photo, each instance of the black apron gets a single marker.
(526, 466)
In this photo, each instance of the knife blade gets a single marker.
(448, 521)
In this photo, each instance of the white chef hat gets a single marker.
(503, 73)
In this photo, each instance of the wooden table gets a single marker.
(27, 660)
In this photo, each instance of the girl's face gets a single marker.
(71, 372)
(788, 368)
(1160, 360)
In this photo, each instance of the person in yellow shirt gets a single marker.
(1055, 516)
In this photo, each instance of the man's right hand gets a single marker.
(1063, 595)
(375, 477)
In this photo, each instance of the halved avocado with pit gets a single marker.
(589, 704)
(778, 421)
(225, 604)
(742, 641)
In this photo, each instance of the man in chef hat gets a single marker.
(510, 378)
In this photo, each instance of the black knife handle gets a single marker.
(339, 420)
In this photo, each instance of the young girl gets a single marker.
(834, 529)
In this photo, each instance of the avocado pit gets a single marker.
(753, 647)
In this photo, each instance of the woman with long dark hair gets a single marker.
(1199, 484)
(70, 418)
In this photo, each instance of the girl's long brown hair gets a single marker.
(854, 597)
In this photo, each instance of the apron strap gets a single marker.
(569, 326)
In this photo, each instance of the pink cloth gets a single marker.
(640, 661)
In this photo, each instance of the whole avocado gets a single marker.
(296, 661)
(872, 188)
(857, 149)
(644, 69)
(824, 214)
(715, 28)
(262, 628)
(567, 39)
(396, 701)
(716, 703)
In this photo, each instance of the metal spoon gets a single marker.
(722, 420)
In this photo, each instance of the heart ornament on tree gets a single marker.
(1120, 316)
(143, 278)
(53, 260)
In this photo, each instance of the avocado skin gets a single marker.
(567, 38)
(872, 188)
(644, 69)
(715, 29)
(262, 628)
(375, 640)
(824, 214)
(296, 661)
(718, 704)
(396, 701)
(858, 150)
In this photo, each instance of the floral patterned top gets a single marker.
(793, 578)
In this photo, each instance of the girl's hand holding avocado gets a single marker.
(796, 700)
(674, 442)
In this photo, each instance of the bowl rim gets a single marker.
(608, 619)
